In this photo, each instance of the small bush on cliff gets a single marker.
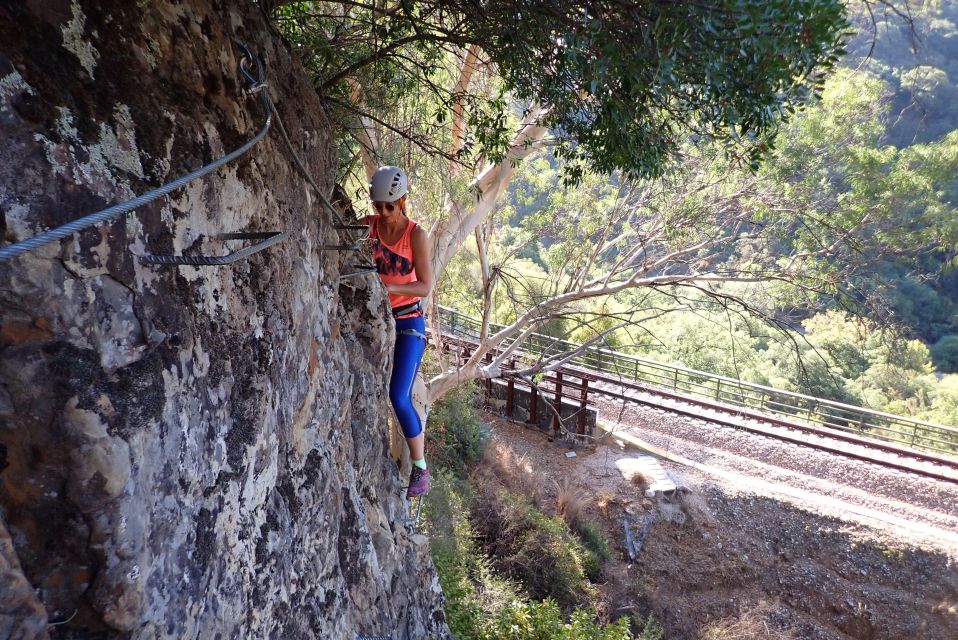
(456, 433)
(538, 550)
(597, 545)
(524, 551)
(481, 605)
(473, 591)
(651, 629)
(570, 505)
(544, 620)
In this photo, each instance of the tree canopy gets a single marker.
(621, 85)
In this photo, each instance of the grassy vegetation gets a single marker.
(456, 434)
(750, 625)
(539, 551)
(482, 604)
(597, 546)
(509, 571)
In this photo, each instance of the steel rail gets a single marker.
(866, 443)
(266, 239)
(731, 410)
(918, 434)
(255, 85)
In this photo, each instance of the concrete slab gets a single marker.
(650, 468)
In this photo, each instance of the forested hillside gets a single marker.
(873, 161)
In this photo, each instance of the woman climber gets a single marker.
(401, 256)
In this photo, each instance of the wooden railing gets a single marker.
(916, 434)
(564, 386)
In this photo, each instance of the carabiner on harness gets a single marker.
(412, 332)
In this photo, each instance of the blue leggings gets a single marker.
(408, 355)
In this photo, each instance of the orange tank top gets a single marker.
(395, 262)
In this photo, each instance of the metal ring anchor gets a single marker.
(413, 520)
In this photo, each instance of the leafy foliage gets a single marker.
(480, 604)
(539, 620)
(538, 553)
(839, 220)
(913, 48)
(456, 434)
(944, 354)
(532, 547)
(623, 84)
(597, 546)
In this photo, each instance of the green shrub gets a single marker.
(544, 621)
(537, 550)
(482, 605)
(528, 551)
(598, 551)
(474, 592)
(944, 354)
(651, 629)
(456, 433)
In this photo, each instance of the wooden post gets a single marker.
(510, 390)
(534, 404)
(488, 360)
(558, 403)
(583, 403)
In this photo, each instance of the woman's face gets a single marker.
(390, 210)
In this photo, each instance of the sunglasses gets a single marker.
(389, 206)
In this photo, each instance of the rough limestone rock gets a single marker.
(186, 452)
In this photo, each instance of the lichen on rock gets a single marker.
(185, 452)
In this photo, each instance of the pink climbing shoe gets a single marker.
(419, 482)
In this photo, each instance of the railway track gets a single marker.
(833, 441)
(838, 442)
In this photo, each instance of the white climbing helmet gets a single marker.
(388, 184)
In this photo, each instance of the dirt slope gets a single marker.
(723, 554)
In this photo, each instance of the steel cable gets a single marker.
(256, 84)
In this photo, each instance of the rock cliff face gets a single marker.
(186, 452)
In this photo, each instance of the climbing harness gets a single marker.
(413, 332)
(255, 85)
(407, 309)
(267, 239)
